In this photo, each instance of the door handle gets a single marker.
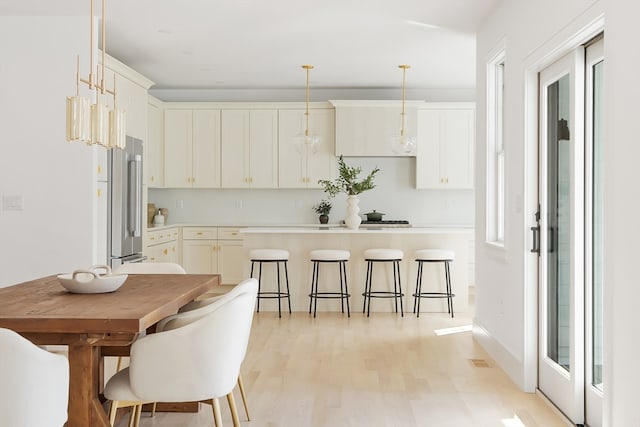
(536, 239)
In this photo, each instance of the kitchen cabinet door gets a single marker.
(231, 261)
(303, 169)
(446, 139)
(192, 148)
(249, 148)
(206, 149)
(178, 148)
(154, 147)
(199, 256)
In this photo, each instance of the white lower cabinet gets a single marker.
(163, 245)
(211, 250)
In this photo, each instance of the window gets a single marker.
(495, 203)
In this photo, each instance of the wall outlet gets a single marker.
(180, 204)
(12, 203)
(238, 204)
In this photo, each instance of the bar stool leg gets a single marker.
(366, 285)
(279, 290)
(417, 299)
(286, 276)
(313, 278)
(370, 280)
(315, 302)
(396, 265)
(343, 273)
(448, 278)
(341, 286)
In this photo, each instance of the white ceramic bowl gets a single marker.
(90, 281)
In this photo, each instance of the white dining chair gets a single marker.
(196, 356)
(31, 376)
(141, 268)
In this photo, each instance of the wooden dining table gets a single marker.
(45, 313)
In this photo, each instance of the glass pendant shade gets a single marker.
(78, 119)
(402, 144)
(306, 144)
(99, 124)
(117, 128)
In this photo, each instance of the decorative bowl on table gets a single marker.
(92, 281)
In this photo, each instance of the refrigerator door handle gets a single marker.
(135, 196)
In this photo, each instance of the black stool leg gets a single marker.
(370, 280)
(313, 278)
(396, 266)
(449, 291)
(343, 272)
(279, 290)
(417, 298)
(315, 302)
(342, 293)
(366, 285)
(286, 276)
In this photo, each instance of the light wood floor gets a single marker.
(379, 371)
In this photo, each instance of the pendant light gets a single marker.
(403, 143)
(306, 142)
(95, 123)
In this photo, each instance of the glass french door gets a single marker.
(594, 138)
(570, 235)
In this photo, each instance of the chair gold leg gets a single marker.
(138, 411)
(113, 410)
(244, 397)
(216, 412)
(233, 409)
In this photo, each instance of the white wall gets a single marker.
(622, 204)
(505, 301)
(53, 233)
(395, 195)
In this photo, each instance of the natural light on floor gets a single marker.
(513, 422)
(454, 330)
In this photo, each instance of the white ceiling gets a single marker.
(227, 44)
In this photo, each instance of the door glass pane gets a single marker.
(559, 221)
(596, 327)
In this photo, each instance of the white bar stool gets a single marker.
(277, 256)
(372, 256)
(433, 255)
(318, 257)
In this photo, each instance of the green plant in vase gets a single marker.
(348, 182)
(323, 208)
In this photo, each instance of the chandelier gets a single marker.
(95, 123)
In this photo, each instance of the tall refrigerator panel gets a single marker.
(125, 204)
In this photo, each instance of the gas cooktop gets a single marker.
(386, 223)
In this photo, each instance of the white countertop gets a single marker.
(326, 229)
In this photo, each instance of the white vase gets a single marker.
(353, 220)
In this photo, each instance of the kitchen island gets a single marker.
(299, 241)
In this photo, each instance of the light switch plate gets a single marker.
(12, 203)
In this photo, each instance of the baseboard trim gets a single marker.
(509, 363)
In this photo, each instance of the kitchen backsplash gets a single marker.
(395, 195)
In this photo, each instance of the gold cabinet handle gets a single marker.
(99, 168)
(166, 252)
(99, 193)
(199, 233)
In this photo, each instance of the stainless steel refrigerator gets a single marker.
(125, 218)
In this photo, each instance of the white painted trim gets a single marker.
(246, 105)
(126, 71)
(503, 357)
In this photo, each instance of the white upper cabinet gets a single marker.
(303, 169)
(132, 90)
(365, 128)
(192, 148)
(249, 148)
(154, 147)
(446, 140)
